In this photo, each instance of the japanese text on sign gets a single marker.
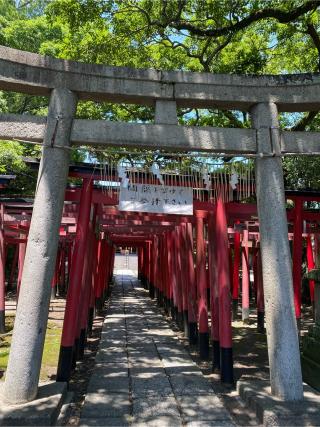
(157, 199)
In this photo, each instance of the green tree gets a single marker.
(224, 36)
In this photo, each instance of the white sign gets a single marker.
(157, 199)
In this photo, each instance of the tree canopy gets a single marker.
(216, 36)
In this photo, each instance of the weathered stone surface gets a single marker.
(22, 376)
(176, 137)
(106, 405)
(156, 385)
(111, 355)
(109, 371)
(150, 408)
(36, 74)
(105, 385)
(160, 421)
(202, 408)
(271, 410)
(99, 422)
(184, 384)
(42, 411)
(135, 349)
(211, 423)
(282, 334)
(143, 372)
(165, 386)
(171, 361)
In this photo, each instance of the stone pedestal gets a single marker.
(42, 411)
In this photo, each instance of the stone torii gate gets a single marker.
(66, 82)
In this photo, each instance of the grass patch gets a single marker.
(50, 353)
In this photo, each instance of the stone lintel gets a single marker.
(171, 137)
(35, 74)
(117, 134)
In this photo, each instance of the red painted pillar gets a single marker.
(91, 313)
(175, 279)
(97, 287)
(103, 272)
(160, 271)
(72, 303)
(179, 278)
(214, 290)
(113, 255)
(225, 330)
(2, 276)
(163, 271)
(140, 262)
(155, 266)
(85, 291)
(22, 254)
(235, 272)
(191, 283)
(245, 277)
(61, 269)
(202, 290)
(107, 271)
(167, 273)
(311, 266)
(55, 278)
(184, 276)
(69, 259)
(13, 266)
(152, 268)
(148, 264)
(297, 256)
(260, 294)
(170, 274)
(145, 265)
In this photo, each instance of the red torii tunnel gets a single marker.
(190, 264)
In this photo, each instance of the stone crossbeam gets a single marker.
(35, 74)
(154, 136)
(172, 137)
(134, 135)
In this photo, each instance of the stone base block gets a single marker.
(43, 411)
(272, 411)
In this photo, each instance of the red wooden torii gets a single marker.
(92, 227)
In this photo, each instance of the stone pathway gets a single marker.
(143, 375)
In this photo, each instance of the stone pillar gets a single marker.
(22, 376)
(282, 335)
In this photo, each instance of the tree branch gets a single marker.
(315, 38)
(280, 15)
(305, 121)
